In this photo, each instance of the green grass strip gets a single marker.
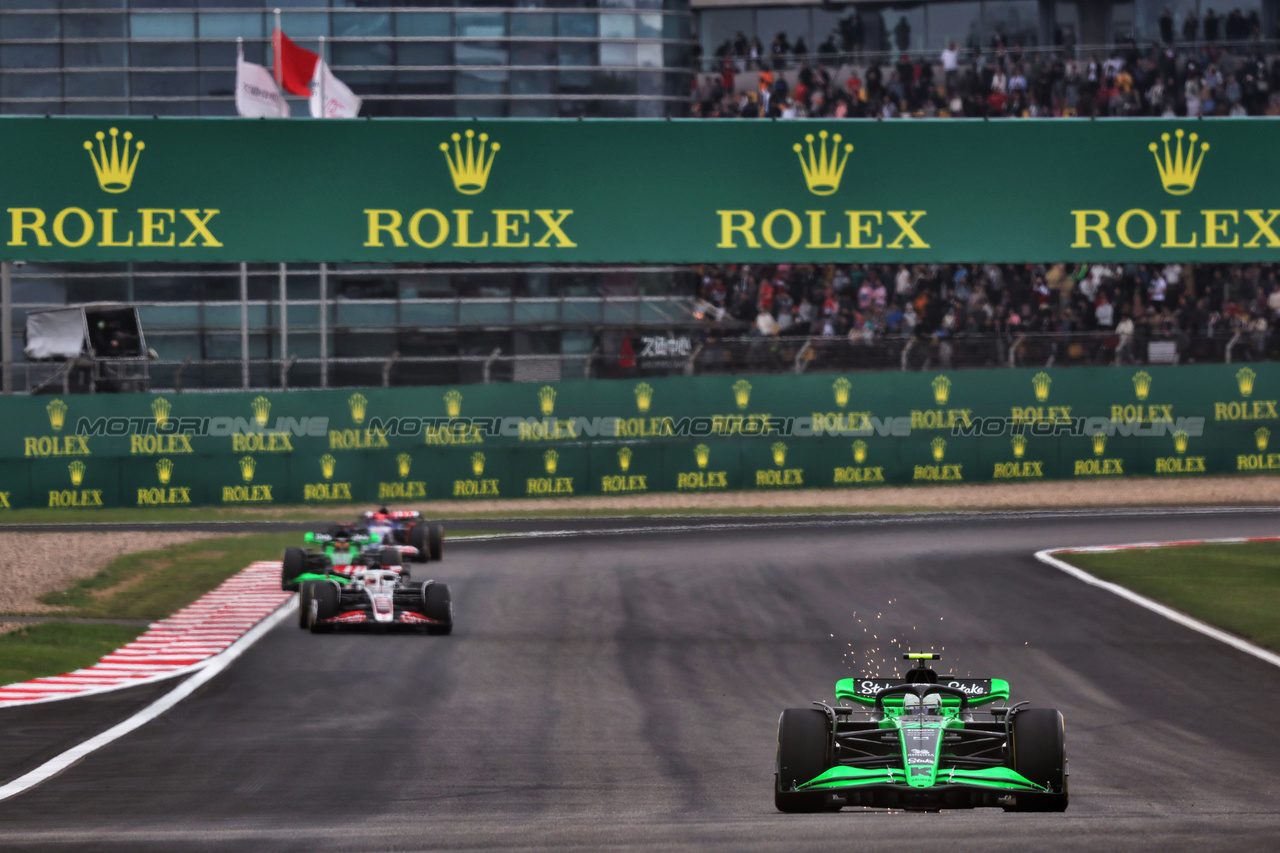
(53, 648)
(1235, 587)
(155, 584)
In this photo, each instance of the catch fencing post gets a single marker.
(244, 325)
(284, 319)
(324, 325)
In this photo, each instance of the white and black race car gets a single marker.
(374, 594)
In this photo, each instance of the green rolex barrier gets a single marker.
(685, 434)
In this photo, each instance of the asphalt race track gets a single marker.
(622, 691)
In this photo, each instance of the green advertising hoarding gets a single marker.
(616, 437)
(425, 191)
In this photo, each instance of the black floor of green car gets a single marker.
(623, 692)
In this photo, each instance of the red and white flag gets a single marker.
(305, 73)
(257, 95)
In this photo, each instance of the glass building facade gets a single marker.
(603, 58)
(927, 27)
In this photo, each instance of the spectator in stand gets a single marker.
(902, 34)
(1210, 26)
(1190, 27)
(1166, 26)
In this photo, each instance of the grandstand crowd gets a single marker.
(864, 303)
(1192, 78)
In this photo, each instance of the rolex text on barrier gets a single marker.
(614, 437)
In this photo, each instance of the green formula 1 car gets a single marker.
(920, 742)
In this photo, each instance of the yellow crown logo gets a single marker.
(624, 459)
(470, 169)
(742, 393)
(702, 454)
(1099, 443)
(160, 409)
(247, 464)
(941, 389)
(939, 445)
(841, 388)
(57, 414)
(477, 463)
(551, 459)
(1178, 173)
(261, 410)
(1244, 378)
(822, 172)
(644, 396)
(326, 465)
(77, 472)
(1142, 384)
(859, 451)
(1019, 446)
(1041, 383)
(1262, 435)
(358, 404)
(547, 399)
(453, 403)
(164, 470)
(115, 172)
(779, 453)
(403, 463)
(1180, 441)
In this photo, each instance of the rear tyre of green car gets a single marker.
(1039, 752)
(804, 752)
(293, 564)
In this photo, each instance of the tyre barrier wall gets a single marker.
(704, 433)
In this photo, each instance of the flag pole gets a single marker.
(239, 47)
(278, 62)
(323, 64)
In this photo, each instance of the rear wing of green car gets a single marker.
(980, 691)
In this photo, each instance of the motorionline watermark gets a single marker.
(532, 428)
(1000, 426)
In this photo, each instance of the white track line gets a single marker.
(877, 519)
(209, 669)
(1048, 557)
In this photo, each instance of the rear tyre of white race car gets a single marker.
(1040, 754)
(435, 541)
(804, 752)
(417, 539)
(324, 604)
(389, 557)
(437, 604)
(304, 603)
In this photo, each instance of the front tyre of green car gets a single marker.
(804, 752)
(1039, 752)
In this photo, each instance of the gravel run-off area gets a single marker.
(32, 564)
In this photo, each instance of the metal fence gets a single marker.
(751, 354)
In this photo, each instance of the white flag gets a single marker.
(330, 97)
(257, 95)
